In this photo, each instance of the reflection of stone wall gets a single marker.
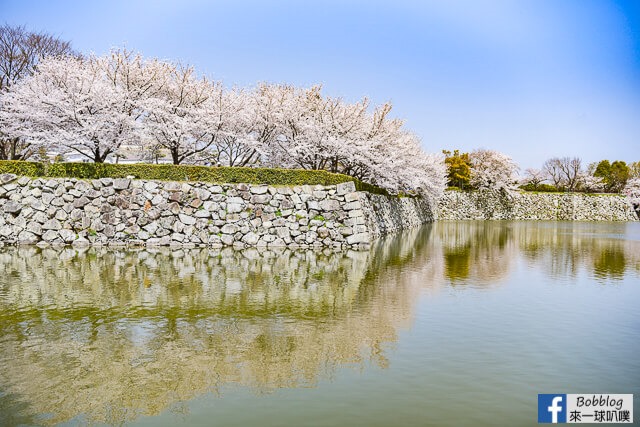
(248, 282)
(111, 335)
(536, 206)
(154, 213)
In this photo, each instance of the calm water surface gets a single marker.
(458, 323)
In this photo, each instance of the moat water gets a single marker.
(452, 324)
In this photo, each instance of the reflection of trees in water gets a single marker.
(114, 335)
(559, 246)
(610, 262)
(484, 251)
(566, 247)
(474, 250)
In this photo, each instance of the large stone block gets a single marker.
(227, 239)
(81, 202)
(67, 236)
(259, 189)
(345, 187)
(50, 235)
(352, 197)
(358, 238)
(229, 229)
(186, 219)
(6, 178)
(12, 207)
(121, 183)
(52, 224)
(260, 198)
(34, 227)
(235, 207)
(251, 238)
(329, 205)
(27, 237)
(352, 206)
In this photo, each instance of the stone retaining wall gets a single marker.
(457, 205)
(387, 215)
(157, 213)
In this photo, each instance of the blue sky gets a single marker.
(531, 78)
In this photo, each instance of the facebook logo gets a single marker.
(552, 408)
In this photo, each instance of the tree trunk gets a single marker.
(334, 166)
(13, 149)
(97, 158)
(175, 156)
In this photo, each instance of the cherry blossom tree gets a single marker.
(181, 115)
(90, 107)
(492, 169)
(269, 106)
(323, 132)
(378, 139)
(235, 145)
(534, 177)
(407, 167)
(20, 53)
(327, 133)
(392, 157)
(590, 184)
(632, 191)
(98, 106)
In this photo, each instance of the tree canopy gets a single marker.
(458, 168)
(20, 53)
(614, 175)
(99, 106)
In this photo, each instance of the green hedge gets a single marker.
(365, 186)
(543, 188)
(18, 167)
(168, 172)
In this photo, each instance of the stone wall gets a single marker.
(534, 206)
(387, 215)
(161, 213)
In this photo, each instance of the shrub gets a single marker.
(543, 188)
(365, 186)
(18, 167)
(169, 172)
(196, 173)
